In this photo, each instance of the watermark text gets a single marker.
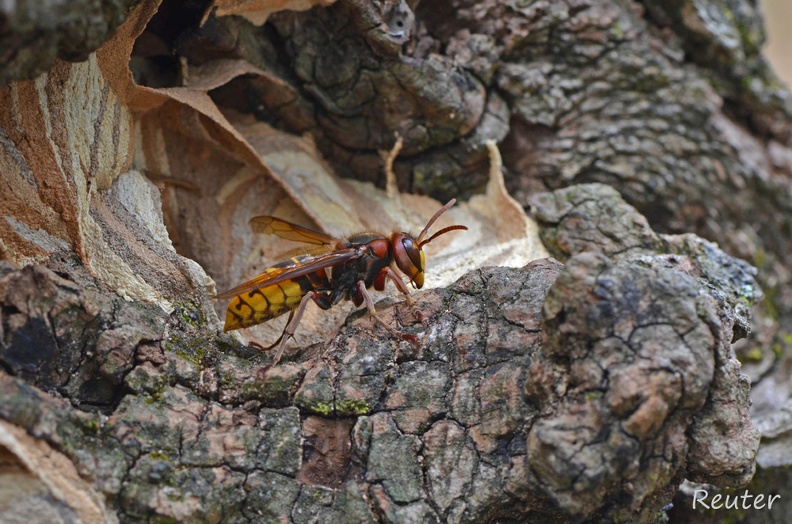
(745, 501)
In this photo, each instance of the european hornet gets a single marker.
(337, 269)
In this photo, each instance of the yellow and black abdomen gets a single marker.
(265, 303)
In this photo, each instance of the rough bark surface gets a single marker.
(34, 34)
(498, 412)
(586, 387)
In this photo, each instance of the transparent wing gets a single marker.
(276, 275)
(288, 231)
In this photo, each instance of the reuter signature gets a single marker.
(719, 501)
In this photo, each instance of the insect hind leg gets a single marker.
(268, 348)
(321, 299)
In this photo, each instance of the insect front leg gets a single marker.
(321, 299)
(362, 292)
(399, 283)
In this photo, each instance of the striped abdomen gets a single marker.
(265, 303)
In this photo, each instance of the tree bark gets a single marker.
(649, 142)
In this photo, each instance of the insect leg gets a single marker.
(262, 348)
(399, 283)
(361, 289)
(294, 320)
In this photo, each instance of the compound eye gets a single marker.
(413, 253)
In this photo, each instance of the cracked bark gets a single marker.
(583, 390)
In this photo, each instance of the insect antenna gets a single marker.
(442, 210)
(444, 230)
